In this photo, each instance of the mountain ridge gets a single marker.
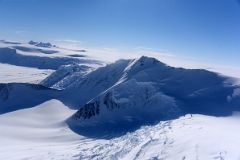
(150, 89)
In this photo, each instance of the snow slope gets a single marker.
(145, 91)
(40, 133)
(37, 133)
(189, 137)
(15, 96)
(94, 83)
(66, 75)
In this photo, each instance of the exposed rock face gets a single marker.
(41, 44)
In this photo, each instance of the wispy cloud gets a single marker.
(69, 43)
(109, 54)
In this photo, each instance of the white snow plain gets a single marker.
(18, 74)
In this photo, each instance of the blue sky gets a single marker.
(208, 30)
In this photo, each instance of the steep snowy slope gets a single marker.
(146, 90)
(93, 83)
(66, 75)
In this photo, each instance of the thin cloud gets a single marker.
(69, 43)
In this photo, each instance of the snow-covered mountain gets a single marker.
(127, 90)
(140, 108)
(66, 75)
(143, 91)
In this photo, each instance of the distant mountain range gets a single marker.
(41, 44)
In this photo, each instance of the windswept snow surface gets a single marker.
(190, 137)
(37, 133)
(12, 73)
(40, 133)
